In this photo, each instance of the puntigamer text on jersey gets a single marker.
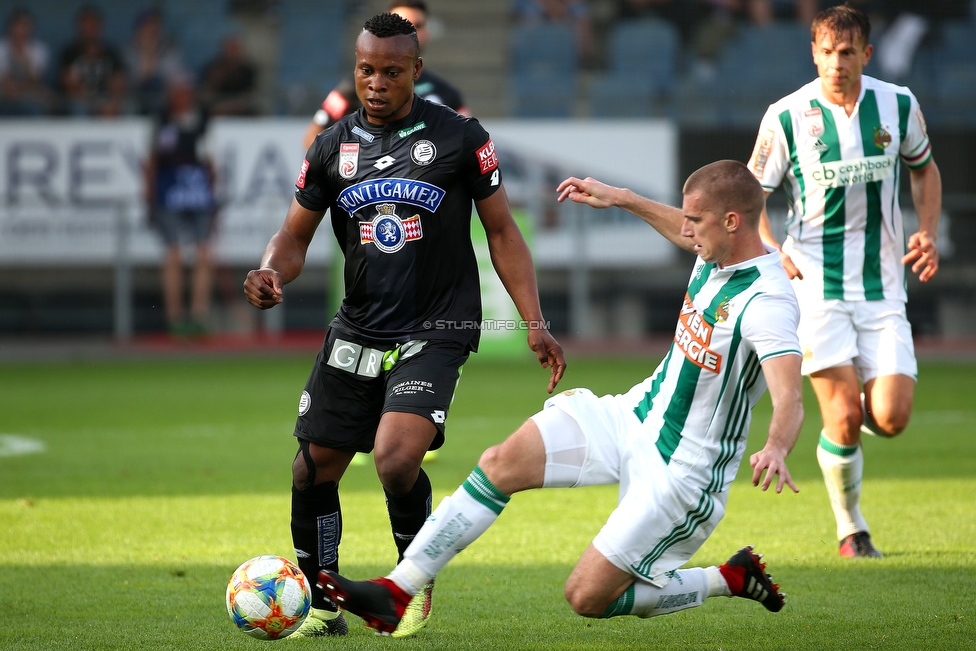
(366, 193)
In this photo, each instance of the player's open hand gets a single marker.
(773, 461)
(923, 252)
(262, 287)
(589, 191)
(550, 355)
(792, 271)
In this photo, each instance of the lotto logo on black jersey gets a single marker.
(487, 158)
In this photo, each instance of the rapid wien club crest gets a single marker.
(881, 138)
(387, 231)
(722, 311)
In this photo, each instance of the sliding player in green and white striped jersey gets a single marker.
(672, 443)
(836, 145)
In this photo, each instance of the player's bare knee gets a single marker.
(892, 424)
(397, 473)
(493, 463)
(850, 419)
(582, 601)
(489, 459)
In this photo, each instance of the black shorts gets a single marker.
(355, 381)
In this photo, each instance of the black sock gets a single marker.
(316, 528)
(408, 512)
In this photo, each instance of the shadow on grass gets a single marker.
(490, 607)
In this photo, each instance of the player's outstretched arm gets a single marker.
(513, 262)
(283, 258)
(665, 219)
(927, 197)
(786, 391)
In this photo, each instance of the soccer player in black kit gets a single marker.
(342, 99)
(398, 177)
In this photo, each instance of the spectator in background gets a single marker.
(910, 24)
(230, 80)
(720, 21)
(764, 12)
(723, 17)
(574, 13)
(23, 66)
(152, 61)
(682, 14)
(688, 15)
(181, 203)
(91, 71)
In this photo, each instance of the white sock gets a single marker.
(687, 588)
(843, 467)
(456, 523)
(717, 586)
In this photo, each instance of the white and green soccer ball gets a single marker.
(268, 597)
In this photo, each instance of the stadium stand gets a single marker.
(643, 60)
(649, 72)
(309, 59)
(544, 72)
(200, 27)
(756, 67)
(954, 66)
(54, 20)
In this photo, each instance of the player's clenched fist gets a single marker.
(263, 288)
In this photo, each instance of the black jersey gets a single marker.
(343, 99)
(400, 199)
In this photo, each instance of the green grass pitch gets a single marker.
(159, 477)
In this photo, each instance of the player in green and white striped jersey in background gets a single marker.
(835, 146)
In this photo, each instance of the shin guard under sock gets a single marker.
(316, 529)
(408, 512)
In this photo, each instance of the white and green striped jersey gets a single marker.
(845, 230)
(697, 406)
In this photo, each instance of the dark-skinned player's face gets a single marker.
(386, 69)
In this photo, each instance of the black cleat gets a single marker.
(380, 602)
(858, 545)
(746, 575)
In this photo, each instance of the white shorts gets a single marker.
(874, 336)
(661, 520)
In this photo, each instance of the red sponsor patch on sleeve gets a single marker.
(487, 158)
(335, 105)
(300, 183)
